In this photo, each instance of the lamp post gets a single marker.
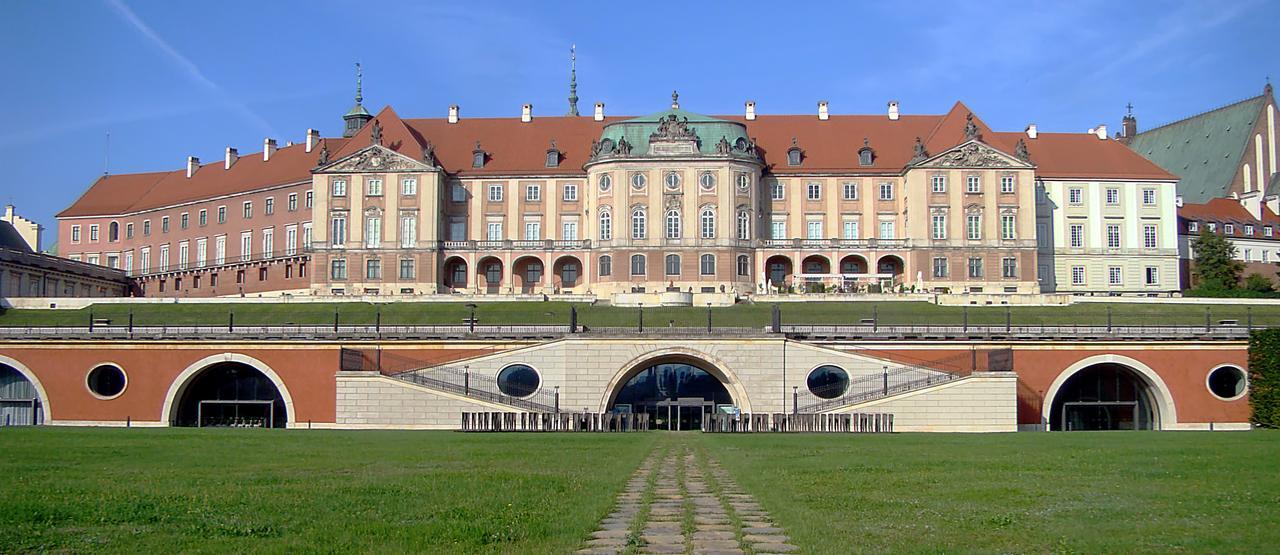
(708, 317)
(471, 322)
(795, 399)
(641, 317)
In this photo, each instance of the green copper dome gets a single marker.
(684, 126)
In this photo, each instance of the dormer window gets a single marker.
(478, 156)
(866, 155)
(553, 155)
(1193, 227)
(794, 153)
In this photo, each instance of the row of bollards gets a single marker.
(554, 422)
(783, 422)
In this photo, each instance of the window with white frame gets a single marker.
(1077, 236)
(309, 197)
(939, 267)
(184, 220)
(406, 268)
(219, 250)
(777, 190)
(202, 252)
(778, 229)
(533, 192)
(975, 267)
(744, 265)
(338, 269)
(1075, 196)
(973, 226)
(292, 205)
(1007, 184)
(408, 186)
(1229, 229)
(1211, 226)
(246, 246)
(1266, 231)
(850, 190)
(1114, 276)
(744, 225)
(849, 230)
(1008, 227)
(813, 229)
(938, 183)
(606, 265)
(569, 231)
(639, 225)
(164, 225)
(247, 213)
(408, 230)
(457, 193)
(814, 191)
(373, 186)
(1113, 236)
(673, 227)
(1248, 229)
(707, 223)
(339, 187)
(637, 265)
(372, 232)
(973, 184)
(373, 269)
(222, 219)
(533, 231)
(495, 192)
(1153, 275)
(1077, 275)
(707, 265)
(93, 231)
(1009, 267)
(887, 230)
(75, 234)
(1112, 196)
(184, 254)
(938, 229)
(268, 208)
(1149, 237)
(268, 242)
(1193, 227)
(306, 235)
(672, 264)
(569, 192)
(144, 259)
(1148, 197)
(606, 225)
(290, 241)
(493, 231)
(886, 191)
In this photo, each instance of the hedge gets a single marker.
(1264, 377)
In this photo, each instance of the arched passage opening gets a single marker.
(489, 274)
(1105, 396)
(853, 264)
(676, 391)
(229, 393)
(527, 271)
(20, 399)
(815, 265)
(455, 273)
(777, 270)
(568, 272)
(891, 265)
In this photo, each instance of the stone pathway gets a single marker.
(681, 501)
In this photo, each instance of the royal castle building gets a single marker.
(673, 207)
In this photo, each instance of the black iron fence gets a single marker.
(798, 422)
(554, 422)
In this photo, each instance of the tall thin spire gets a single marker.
(573, 80)
(357, 116)
(359, 84)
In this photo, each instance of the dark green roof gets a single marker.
(708, 129)
(357, 110)
(1203, 150)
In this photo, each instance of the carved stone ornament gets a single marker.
(974, 155)
(971, 129)
(1020, 150)
(429, 154)
(723, 147)
(672, 128)
(623, 148)
(919, 153)
(324, 154)
(375, 134)
(376, 159)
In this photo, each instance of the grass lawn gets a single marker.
(164, 491)
(1108, 492)
(742, 315)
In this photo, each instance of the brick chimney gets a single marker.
(893, 110)
(453, 113)
(1031, 131)
(313, 139)
(526, 113)
(599, 116)
(751, 110)
(823, 114)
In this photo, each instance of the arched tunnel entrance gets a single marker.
(676, 392)
(1105, 396)
(230, 394)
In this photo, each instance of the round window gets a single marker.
(828, 382)
(605, 182)
(518, 380)
(672, 180)
(638, 181)
(106, 381)
(707, 181)
(744, 182)
(1227, 382)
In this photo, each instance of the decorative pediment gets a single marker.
(375, 158)
(973, 154)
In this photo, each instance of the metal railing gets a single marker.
(216, 263)
(1048, 332)
(892, 381)
(462, 381)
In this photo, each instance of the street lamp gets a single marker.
(472, 320)
(641, 317)
(708, 316)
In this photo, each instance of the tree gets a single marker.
(1264, 377)
(1216, 264)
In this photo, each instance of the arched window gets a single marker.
(606, 225)
(637, 265)
(707, 265)
(113, 231)
(606, 265)
(673, 224)
(638, 223)
(708, 221)
(673, 264)
(744, 265)
(744, 225)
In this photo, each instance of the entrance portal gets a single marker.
(231, 394)
(1104, 396)
(676, 395)
(19, 403)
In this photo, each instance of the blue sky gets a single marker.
(172, 79)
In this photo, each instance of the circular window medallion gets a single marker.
(707, 181)
(638, 181)
(1227, 382)
(518, 380)
(672, 181)
(605, 183)
(828, 381)
(106, 381)
(744, 182)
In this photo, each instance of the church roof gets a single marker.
(1204, 150)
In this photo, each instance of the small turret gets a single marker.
(1128, 125)
(358, 116)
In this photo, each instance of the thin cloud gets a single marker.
(188, 67)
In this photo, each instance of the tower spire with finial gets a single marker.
(573, 80)
(359, 84)
(675, 100)
(357, 116)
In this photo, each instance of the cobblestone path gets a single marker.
(681, 501)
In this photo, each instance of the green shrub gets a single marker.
(1259, 283)
(1264, 377)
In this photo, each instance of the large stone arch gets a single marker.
(1166, 417)
(35, 383)
(169, 412)
(712, 364)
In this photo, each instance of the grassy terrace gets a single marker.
(442, 492)
(743, 315)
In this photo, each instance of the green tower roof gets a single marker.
(708, 129)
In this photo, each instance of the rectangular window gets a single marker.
(306, 236)
(777, 190)
(1193, 227)
(813, 229)
(144, 262)
(220, 250)
(707, 265)
(308, 203)
(146, 228)
(75, 234)
(338, 235)
(850, 190)
(849, 230)
(164, 258)
(457, 193)
(1149, 238)
(128, 230)
(532, 231)
(637, 265)
(268, 242)
(373, 269)
(938, 183)
(975, 267)
(340, 187)
(338, 269)
(1266, 231)
(1007, 183)
(204, 218)
(184, 220)
(973, 227)
(814, 191)
(269, 206)
(973, 184)
(569, 231)
(406, 268)
(1075, 196)
(1009, 267)
(1077, 236)
(408, 230)
(1229, 229)
(1008, 227)
(457, 230)
(1113, 236)
(246, 246)
(222, 214)
(606, 266)
(886, 191)
(1114, 276)
(1077, 275)
(409, 186)
(164, 228)
(372, 232)
(1113, 196)
(777, 230)
(533, 192)
(570, 193)
(293, 202)
(939, 267)
(493, 231)
(373, 186)
(248, 209)
(495, 192)
(744, 265)
(1148, 197)
(939, 227)
(1248, 229)
(291, 240)
(887, 230)
(1153, 275)
(184, 254)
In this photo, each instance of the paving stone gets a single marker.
(761, 530)
(610, 533)
(714, 535)
(600, 551)
(664, 527)
(713, 527)
(765, 538)
(715, 544)
(663, 548)
(774, 548)
(715, 551)
(662, 538)
(607, 542)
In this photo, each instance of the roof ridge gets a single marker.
(1204, 113)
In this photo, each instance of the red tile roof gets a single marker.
(1083, 156)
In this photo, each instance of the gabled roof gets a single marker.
(1083, 156)
(1204, 150)
(1229, 211)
